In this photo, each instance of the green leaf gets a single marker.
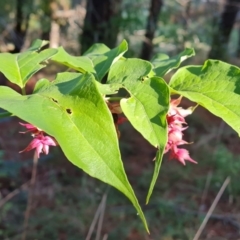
(37, 45)
(159, 57)
(215, 86)
(19, 68)
(103, 89)
(103, 58)
(40, 84)
(127, 71)
(72, 110)
(44, 83)
(97, 49)
(82, 64)
(147, 107)
(108, 89)
(163, 64)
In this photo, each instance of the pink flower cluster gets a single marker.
(40, 142)
(176, 119)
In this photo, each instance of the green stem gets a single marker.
(23, 91)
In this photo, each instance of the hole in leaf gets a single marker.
(142, 79)
(54, 100)
(69, 111)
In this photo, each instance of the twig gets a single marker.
(30, 196)
(91, 229)
(18, 190)
(13, 193)
(105, 237)
(230, 220)
(205, 191)
(96, 216)
(100, 221)
(210, 211)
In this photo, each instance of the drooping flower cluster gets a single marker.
(40, 142)
(176, 121)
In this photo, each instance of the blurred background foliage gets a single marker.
(64, 199)
(169, 26)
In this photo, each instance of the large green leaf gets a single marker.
(147, 107)
(19, 68)
(82, 64)
(163, 64)
(72, 110)
(215, 86)
(103, 58)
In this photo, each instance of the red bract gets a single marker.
(175, 119)
(121, 120)
(30, 128)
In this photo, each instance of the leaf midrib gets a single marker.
(18, 70)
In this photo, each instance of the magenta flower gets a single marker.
(175, 119)
(41, 143)
(181, 155)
